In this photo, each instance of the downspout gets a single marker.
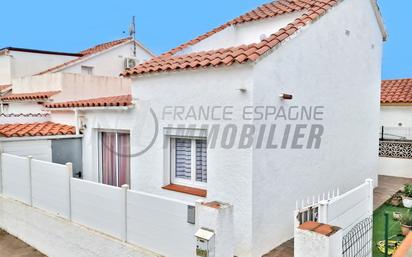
(76, 117)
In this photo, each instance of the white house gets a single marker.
(395, 132)
(91, 73)
(20, 62)
(104, 60)
(255, 113)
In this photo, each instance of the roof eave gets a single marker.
(87, 57)
(379, 19)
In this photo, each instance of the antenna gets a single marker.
(132, 33)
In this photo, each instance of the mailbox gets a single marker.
(205, 243)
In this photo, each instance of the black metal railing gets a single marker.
(358, 241)
(395, 133)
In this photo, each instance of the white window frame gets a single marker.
(100, 159)
(180, 181)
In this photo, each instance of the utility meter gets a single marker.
(205, 243)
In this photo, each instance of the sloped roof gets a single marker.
(5, 87)
(33, 96)
(396, 91)
(88, 52)
(101, 47)
(36, 129)
(244, 53)
(111, 101)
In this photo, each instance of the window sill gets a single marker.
(186, 190)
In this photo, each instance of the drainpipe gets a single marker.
(76, 117)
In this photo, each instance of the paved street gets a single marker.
(13, 247)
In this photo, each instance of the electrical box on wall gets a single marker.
(205, 243)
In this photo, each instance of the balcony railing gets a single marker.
(395, 133)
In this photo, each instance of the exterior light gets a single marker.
(286, 97)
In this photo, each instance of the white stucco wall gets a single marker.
(109, 63)
(5, 70)
(26, 64)
(322, 66)
(38, 149)
(245, 33)
(229, 171)
(24, 107)
(391, 116)
(104, 120)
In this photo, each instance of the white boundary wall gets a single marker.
(157, 223)
(344, 210)
(167, 225)
(54, 195)
(16, 177)
(98, 206)
(396, 167)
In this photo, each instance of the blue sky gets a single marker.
(74, 25)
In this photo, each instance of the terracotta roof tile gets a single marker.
(104, 46)
(112, 101)
(35, 96)
(238, 54)
(3, 87)
(396, 91)
(86, 53)
(36, 129)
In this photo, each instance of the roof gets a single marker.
(5, 87)
(36, 129)
(313, 9)
(27, 50)
(244, 53)
(88, 52)
(396, 91)
(35, 96)
(101, 47)
(111, 101)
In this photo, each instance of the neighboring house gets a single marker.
(321, 53)
(92, 73)
(104, 60)
(45, 141)
(395, 131)
(20, 62)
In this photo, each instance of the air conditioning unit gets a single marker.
(130, 63)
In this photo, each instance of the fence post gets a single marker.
(370, 196)
(69, 167)
(1, 172)
(124, 236)
(29, 159)
(323, 211)
(295, 219)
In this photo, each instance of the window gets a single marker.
(114, 161)
(188, 162)
(87, 70)
(4, 108)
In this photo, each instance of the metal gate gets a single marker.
(358, 241)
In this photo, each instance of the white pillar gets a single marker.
(217, 217)
(29, 159)
(370, 183)
(323, 211)
(314, 239)
(69, 167)
(124, 235)
(1, 172)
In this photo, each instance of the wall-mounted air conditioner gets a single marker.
(130, 63)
